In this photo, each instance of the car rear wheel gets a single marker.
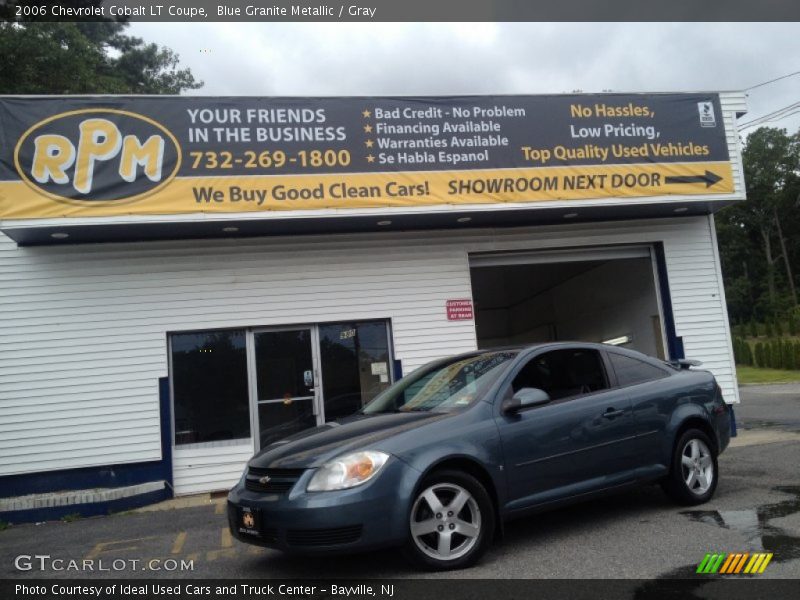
(451, 522)
(694, 472)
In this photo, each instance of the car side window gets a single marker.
(631, 371)
(563, 373)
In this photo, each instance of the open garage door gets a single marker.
(595, 295)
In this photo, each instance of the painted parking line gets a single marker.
(180, 546)
(180, 540)
(113, 546)
(227, 538)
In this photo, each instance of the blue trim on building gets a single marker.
(106, 476)
(165, 405)
(94, 509)
(674, 343)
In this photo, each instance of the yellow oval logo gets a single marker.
(97, 155)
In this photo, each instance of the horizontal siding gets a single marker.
(731, 104)
(83, 329)
(209, 469)
(80, 360)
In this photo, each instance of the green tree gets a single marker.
(788, 354)
(760, 358)
(771, 160)
(759, 239)
(747, 352)
(86, 58)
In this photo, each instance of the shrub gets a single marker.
(778, 328)
(768, 328)
(760, 360)
(753, 329)
(788, 354)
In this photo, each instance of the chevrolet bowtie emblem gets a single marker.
(264, 479)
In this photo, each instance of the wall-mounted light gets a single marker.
(618, 341)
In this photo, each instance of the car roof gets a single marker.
(525, 349)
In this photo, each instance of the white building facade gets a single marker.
(160, 366)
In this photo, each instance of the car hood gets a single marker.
(314, 447)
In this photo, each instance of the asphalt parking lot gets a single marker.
(636, 535)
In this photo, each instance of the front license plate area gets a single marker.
(249, 521)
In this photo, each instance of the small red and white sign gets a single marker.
(459, 310)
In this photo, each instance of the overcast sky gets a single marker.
(489, 58)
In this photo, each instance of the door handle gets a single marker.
(611, 413)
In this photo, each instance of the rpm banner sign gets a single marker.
(105, 156)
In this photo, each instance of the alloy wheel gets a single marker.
(697, 466)
(445, 521)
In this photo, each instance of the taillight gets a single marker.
(721, 406)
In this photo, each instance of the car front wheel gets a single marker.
(694, 472)
(451, 521)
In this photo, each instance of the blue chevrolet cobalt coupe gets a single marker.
(440, 460)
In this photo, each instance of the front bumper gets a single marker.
(368, 516)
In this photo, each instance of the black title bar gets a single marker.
(203, 11)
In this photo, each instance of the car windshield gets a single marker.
(444, 386)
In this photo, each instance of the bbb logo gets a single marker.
(97, 155)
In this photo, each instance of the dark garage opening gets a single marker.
(597, 300)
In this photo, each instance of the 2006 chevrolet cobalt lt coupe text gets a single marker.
(441, 459)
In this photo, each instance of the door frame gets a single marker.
(318, 402)
(608, 252)
(317, 408)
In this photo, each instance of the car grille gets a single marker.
(280, 480)
(323, 537)
(269, 534)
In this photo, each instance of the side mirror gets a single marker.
(525, 398)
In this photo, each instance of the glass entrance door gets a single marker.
(356, 365)
(285, 382)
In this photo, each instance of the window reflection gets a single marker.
(209, 382)
(355, 365)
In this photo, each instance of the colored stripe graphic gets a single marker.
(764, 564)
(711, 563)
(728, 562)
(734, 563)
(740, 564)
(754, 563)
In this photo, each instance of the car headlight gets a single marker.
(347, 471)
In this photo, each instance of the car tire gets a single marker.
(694, 471)
(442, 536)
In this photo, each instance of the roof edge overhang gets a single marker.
(41, 232)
